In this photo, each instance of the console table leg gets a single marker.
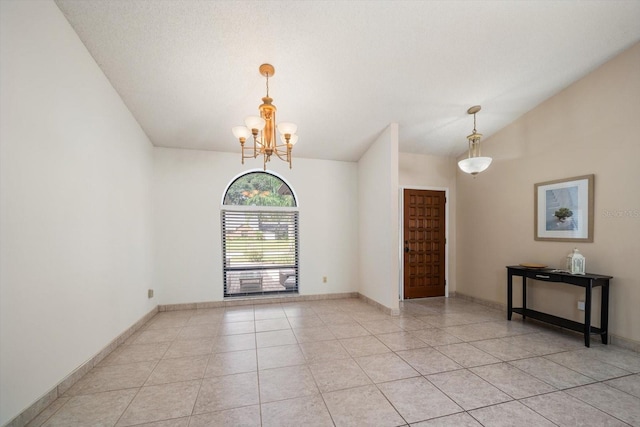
(509, 295)
(604, 314)
(587, 316)
(524, 297)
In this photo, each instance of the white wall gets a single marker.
(75, 204)
(591, 127)
(419, 171)
(378, 219)
(188, 190)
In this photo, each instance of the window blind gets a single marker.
(260, 252)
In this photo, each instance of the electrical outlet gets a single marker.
(324, 279)
(581, 305)
(150, 293)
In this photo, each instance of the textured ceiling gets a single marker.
(188, 70)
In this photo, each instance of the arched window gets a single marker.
(259, 236)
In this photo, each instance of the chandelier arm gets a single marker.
(281, 155)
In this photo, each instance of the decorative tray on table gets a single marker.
(533, 265)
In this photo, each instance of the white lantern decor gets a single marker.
(576, 262)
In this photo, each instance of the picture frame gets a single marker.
(563, 210)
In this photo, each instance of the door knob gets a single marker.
(406, 249)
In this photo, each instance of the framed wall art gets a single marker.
(563, 210)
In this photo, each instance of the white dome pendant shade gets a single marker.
(475, 163)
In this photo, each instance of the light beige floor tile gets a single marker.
(227, 392)
(567, 340)
(338, 374)
(585, 363)
(620, 357)
(348, 330)
(614, 402)
(369, 316)
(304, 411)
(402, 340)
(275, 338)
(381, 326)
(450, 319)
(502, 350)
(208, 330)
(269, 311)
(184, 348)
(512, 380)
(235, 328)
(416, 399)
(361, 406)
(428, 360)
(169, 319)
(309, 321)
(337, 318)
(161, 402)
(326, 309)
(232, 362)
(281, 356)
(135, 353)
(177, 370)
(510, 414)
(435, 336)
(456, 420)
(238, 314)
(538, 344)
(364, 346)
(550, 372)
(464, 332)
(467, 355)
(234, 343)
(313, 334)
(43, 416)
(115, 377)
(299, 311)
(247, 416)
(629, 384)
(492, 330)
(385, 367)
(315, 343)
(175, 422)
(323, 350)
(100, 409)
(149, 336)
(565, 410)
(467, 389)
(410, 323)
(272, 324)
(286, 383)
(209, 315)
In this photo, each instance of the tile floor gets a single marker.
(442, 362)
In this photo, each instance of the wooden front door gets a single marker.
(424, 243)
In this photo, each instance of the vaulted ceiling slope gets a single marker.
(344, 70)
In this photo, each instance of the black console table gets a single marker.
(586, 281)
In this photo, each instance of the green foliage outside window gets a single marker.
(259, 189)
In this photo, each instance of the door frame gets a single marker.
(401, 236)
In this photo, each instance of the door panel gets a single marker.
(424, 243)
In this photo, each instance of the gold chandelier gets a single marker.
(267, 143)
